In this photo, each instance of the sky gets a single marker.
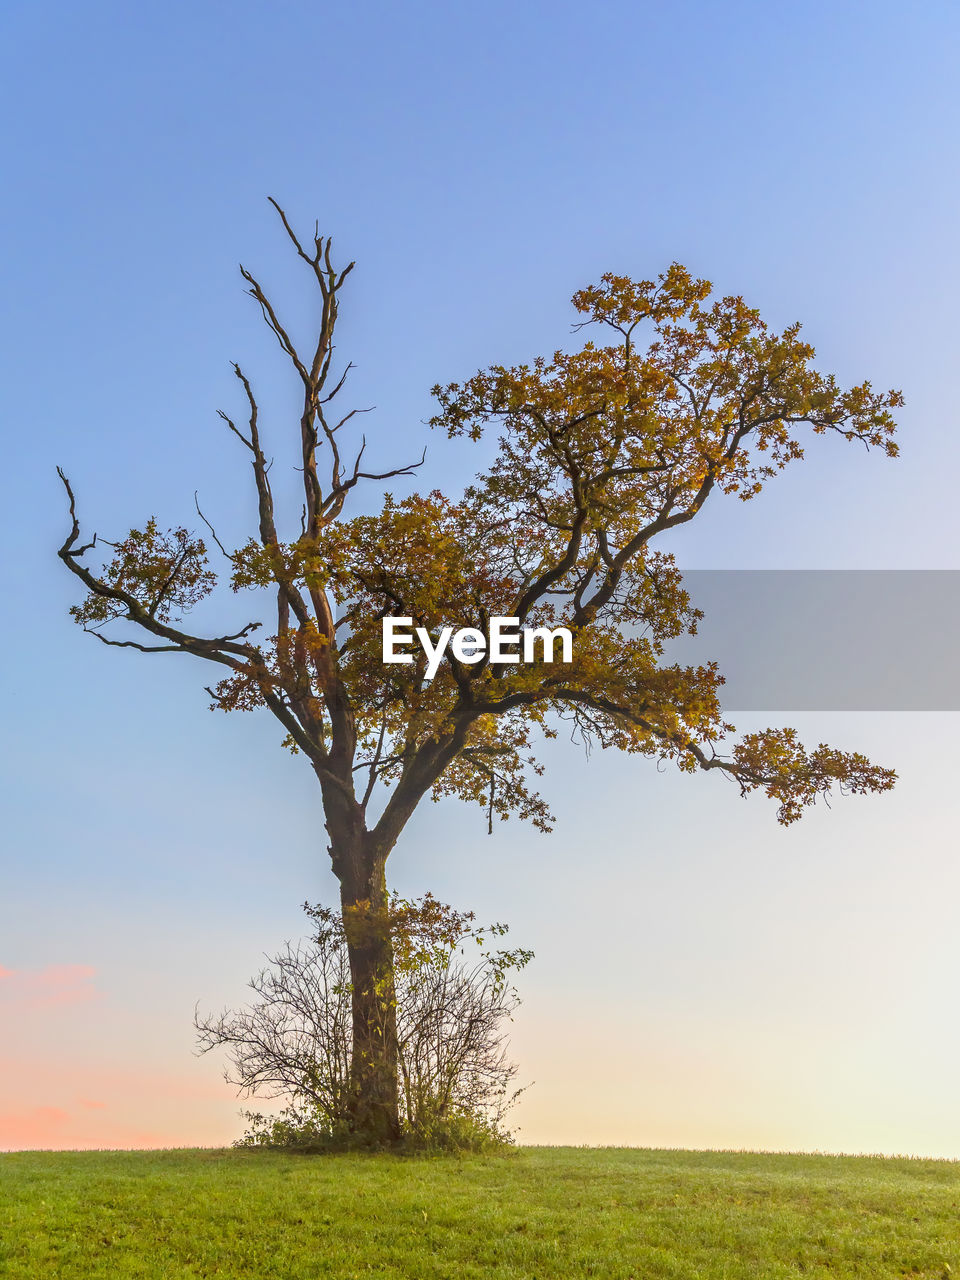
(703, 977)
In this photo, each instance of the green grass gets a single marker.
(535, 1213)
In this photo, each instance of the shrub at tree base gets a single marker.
(295, 1040)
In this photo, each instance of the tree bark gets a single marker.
(373, 1109)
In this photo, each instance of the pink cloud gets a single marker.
(57, 1096)
(34, 1128)
(55, 985)
(39, 1128)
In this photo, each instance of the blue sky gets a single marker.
(479, 163)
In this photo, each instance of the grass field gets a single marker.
(535, 1213)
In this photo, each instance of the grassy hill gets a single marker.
(535, 1213)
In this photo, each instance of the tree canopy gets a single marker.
(601, 453)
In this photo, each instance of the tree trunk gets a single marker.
(374, 1101)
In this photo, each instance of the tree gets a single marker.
(293, 1040)
(602, 452)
